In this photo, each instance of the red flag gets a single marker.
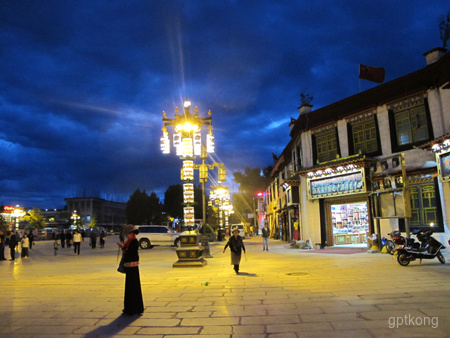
(371, 73)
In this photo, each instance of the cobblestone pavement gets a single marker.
(281, 293)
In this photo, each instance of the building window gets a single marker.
(326, 147)
(365, 139)
(411, 126)
(424, 206)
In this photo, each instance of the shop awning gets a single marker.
(360, 161)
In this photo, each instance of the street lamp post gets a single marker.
(17, 214)
(220, 196)
(75, 218)
(187, 140)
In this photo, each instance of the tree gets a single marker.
(35, 219)
(251, 181)
(173, 201)
(3, 224)
(135, 210)
(143, 209)
(444, 28)
(93, 223)
(155, 208)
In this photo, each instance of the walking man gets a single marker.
(236, 246)
(265, 235)
(62, 237)
(77, 242)
(2, 246)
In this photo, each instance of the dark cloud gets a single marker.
(84, 84)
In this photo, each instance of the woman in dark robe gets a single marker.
(133, 303)
(236, 245)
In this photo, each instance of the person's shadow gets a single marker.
(248, 274)
(112, 328)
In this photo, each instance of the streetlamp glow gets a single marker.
(187, 140)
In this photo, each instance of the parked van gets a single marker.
(240, 227)
(151, 235)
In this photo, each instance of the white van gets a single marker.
(151, 235)
(240, 227)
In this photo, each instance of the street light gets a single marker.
(187, 140)
(220, 197)
(76, 218)
(17, 214)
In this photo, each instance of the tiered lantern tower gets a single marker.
(187, 140)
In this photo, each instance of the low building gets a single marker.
(356, 167)
(110, 215)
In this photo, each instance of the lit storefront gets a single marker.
(342, 189)
(349, 223)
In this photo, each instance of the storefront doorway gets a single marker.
(349, 223)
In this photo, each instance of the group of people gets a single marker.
(13, 242)
(67, 238)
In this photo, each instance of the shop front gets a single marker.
(349, 221)
(343, 191)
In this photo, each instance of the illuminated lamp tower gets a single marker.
(220, 198)
(187, 140)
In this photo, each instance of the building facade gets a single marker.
(361, 165)
(109, 214)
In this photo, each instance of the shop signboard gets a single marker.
(337, 184)
(443, 161)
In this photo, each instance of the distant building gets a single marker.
(56, 218)
(109, 214)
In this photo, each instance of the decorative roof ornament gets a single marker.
(305, 99)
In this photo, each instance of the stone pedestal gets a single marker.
(190, 254)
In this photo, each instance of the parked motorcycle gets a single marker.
(428, 248)
(396, 241)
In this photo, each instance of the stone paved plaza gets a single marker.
(281, 293)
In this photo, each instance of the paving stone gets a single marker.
(169, 330)
(299, 327)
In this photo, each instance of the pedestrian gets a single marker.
(12, 245)
(133, 303)
(102, 239)
(31, 238)
(236, 245)
(93, 239)
(77, 242)
(62, 237)
(56, 246)
(68, 239)
(25, 245)
(265, 236)
(2, 245)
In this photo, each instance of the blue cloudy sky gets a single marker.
(83, 83)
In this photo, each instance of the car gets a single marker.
(151, 235)
(240, 227)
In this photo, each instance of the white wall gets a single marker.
(343, 137)
(383, 127)
(309, 214)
